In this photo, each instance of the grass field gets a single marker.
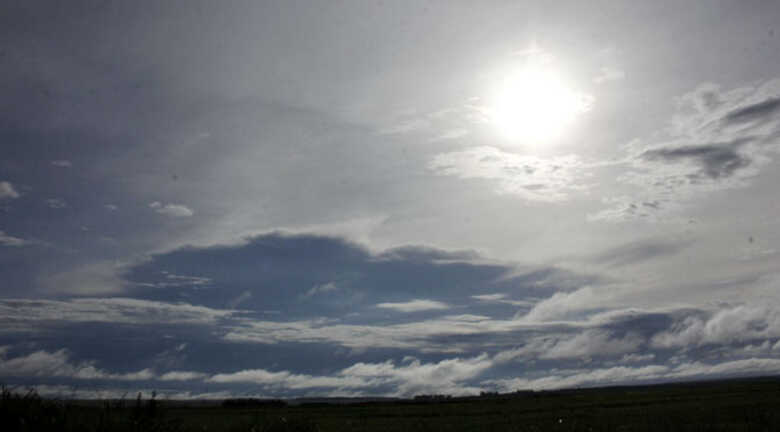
(729, 405)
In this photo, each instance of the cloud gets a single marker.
(637, 358)
(341, 277)
(172, 280)
(56, 203)
(627, 208)
(609, 73)
(529, 177)
(725, 326)
(540, 317)
(405, 125)
(451, 134)
(758, 111)
(320, 289)
(584, 346)
(58, 364)
(95, 279)
(107, 310)
(501, 298)
(576, 378)
(11, 241)
(649, 373)
(7, 191)
(182, 376)
(638, 251)
(346, 288)
(595, 345)
(244, 296)
(61, 163)
(416, 305)
(286, 380)
(172, 210)
(489, 297)
(428, 335)
(441, 125)
(563, 305)
(710, 161)
(445, 376)
(111, 207)
(456, 375)
(728, 368)
(717, 140)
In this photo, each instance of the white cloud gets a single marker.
(593, 343)
(609, 73)
(585, 345)
(563, 305)
(446, 376)
(637, 358)
(320, 289)
(501, 298)
(414, 306)
(97, 278)
(455, 375)
(58, 364)
(489, 297)
(420, 335)
(56, 203)
(170, 280)
(182, 376)
(530, 177)
(580, 377)
(61, 163)
(111, 207)
(7, 191)
(738, 324)
(733, 367)
(287, 380)
(172, 210)
(244, 296)
(7, 240)
(416, 377)
(108, 310)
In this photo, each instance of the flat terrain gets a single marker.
(729, 405)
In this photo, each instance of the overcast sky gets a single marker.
(386, 197)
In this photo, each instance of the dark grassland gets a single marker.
(728, 405)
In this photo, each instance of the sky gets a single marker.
(386, 198)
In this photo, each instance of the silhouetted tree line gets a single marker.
(253, 403)
(432, 397)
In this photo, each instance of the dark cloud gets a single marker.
(757, 111)
(304, 275)
(719, 139)
(716, 161)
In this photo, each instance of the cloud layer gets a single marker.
(391, 342)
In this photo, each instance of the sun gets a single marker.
(533, 103)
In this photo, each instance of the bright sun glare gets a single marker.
(533, 103)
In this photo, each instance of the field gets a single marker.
(729, 405)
